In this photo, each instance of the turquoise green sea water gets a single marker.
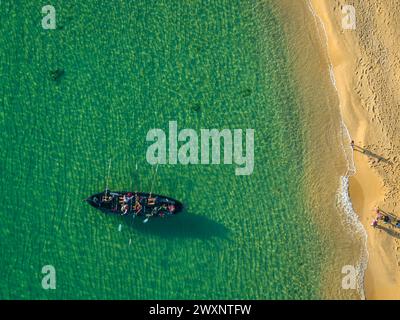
(131, 66)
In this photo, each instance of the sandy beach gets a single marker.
(365, 63)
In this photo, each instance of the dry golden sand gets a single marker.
(366, 66)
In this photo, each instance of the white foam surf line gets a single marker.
(351, 219)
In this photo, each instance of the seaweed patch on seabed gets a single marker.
(196, 107)
(57, 75)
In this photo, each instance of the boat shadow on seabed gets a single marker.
(183, 225)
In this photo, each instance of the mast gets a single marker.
(152, 182)
(108, 175)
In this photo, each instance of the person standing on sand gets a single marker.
(386, 219)
(378, 217)
(378, 214)
(356, 148)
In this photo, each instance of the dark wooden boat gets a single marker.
(135, 203)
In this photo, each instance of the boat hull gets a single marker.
(134, 203)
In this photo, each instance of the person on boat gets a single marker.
(154, 212)
(151, 201)
(379, 215)
(138, 207)
(163, 209)
(398, 224)
(107, 197)
(374, 223)
(352, 144)
(125, 209)
(127, 197)
(386, 219)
